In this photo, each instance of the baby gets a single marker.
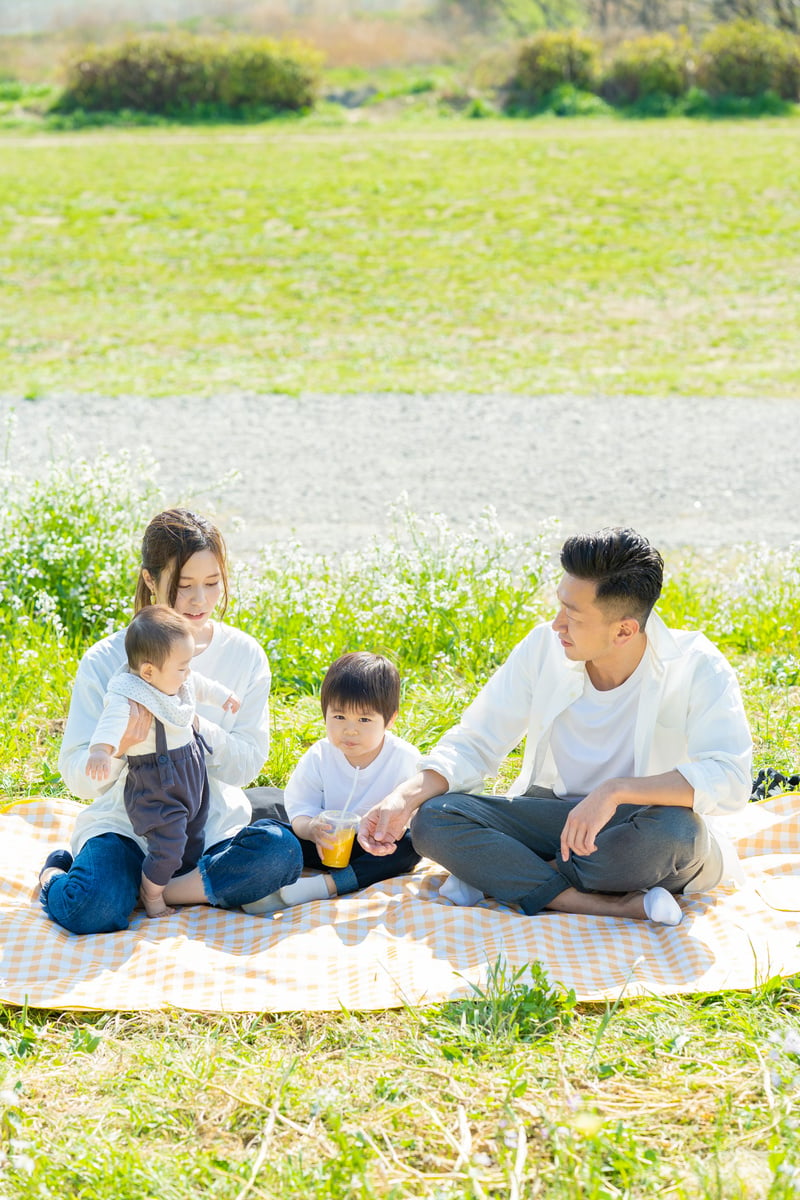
(166, 788)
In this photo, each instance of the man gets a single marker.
(634, 735)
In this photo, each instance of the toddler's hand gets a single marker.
(319, 831)
(232, 704)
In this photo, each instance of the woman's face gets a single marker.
(199, 589)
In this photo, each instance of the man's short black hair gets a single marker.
(363, 682)
(627, 571)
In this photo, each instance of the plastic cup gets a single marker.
(342, 826)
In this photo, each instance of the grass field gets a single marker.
(615, 257)
(519, 1093)
(609, 256)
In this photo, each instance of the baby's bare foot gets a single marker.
(152, 897)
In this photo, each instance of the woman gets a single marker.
(184, 566)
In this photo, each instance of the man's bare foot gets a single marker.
(599, 904)
(152, 897)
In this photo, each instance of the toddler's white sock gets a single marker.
(313, 887)
(266, 905)
(662, 907)
(459, 892)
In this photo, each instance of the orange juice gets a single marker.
(335, 852)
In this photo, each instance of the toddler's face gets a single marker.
(176, 669)
(359, 735)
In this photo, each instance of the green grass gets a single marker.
(692, 1098)
(517, 1093)
(589, 255)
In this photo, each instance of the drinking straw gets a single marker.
(352, 792)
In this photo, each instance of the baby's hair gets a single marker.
(153, 634)
(364, 682)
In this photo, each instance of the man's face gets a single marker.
(584, 629)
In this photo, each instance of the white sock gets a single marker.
(459, 892)
(662, 907)
(313, 887)
(266, 905)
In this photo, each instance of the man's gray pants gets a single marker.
(504, 846)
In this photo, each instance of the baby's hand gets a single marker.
(152, 897)
(232, 704)
(98, 764)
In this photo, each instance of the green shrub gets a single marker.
(175, 74)
(647, 66)
(256, 72)
(568, 101)
(548, 60)
(747, 59)
(69, 546)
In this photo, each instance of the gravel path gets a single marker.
(702, 473)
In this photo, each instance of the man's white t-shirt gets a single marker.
(593, 739)
(323, 778)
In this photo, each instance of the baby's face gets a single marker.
(176, 669)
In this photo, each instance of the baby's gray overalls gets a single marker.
(166, 798)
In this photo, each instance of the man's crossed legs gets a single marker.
(509, 848)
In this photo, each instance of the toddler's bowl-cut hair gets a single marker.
(153, 634)
(628, 572)
(363, 682)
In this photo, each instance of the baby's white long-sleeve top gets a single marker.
(323, 778)
(176, 713)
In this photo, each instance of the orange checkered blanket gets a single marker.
(395, 943)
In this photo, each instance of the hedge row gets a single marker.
(178, 74)
(743, 60)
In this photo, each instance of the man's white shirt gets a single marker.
(689, 717)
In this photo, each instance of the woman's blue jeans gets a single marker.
(99, 892)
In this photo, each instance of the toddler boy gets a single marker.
(360, 759)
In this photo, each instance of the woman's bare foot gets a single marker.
(152, 897)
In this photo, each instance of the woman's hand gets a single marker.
(137, 729)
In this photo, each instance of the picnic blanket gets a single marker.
(393, 944)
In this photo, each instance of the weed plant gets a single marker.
(517, 1092)
(446, 605)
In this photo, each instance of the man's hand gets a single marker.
(385, 823)
(586, 820)
(383, 826)
(594, 812)
(137, 728)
